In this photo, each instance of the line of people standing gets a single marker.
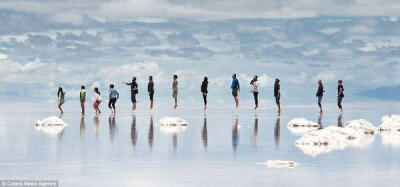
(235, 86)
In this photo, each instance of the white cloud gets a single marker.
(326, 77)
(369, 47)
(330, 30)
(3, 56)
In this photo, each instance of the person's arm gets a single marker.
(238, 85)
(127, 83)
(340, 91)
(117, 94)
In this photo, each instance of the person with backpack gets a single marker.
(97, 100)
(82, 98)
(134, 91)
(320, 94)
(254, 90)
(113, 97)
(204, 91)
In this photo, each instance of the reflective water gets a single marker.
(219, 148)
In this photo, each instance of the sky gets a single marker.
(45, 44)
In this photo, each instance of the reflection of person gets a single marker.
(60, 95)
(235, 89)
(320, 121)
(277, 94)
(150, 89)
(320, 94)
(277, 131)
(175, 90)
(254, 90)
(133, 132)
(204, 91)
(339, 121)
(340, 95)
(204, 136)
(255, 132)
(96, 123)
(134, 91)
(235, 134)
(151, 133)
(112, 127)
(82, 126)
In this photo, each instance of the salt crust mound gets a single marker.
(52, 125)
(172, 125)
(301, 126)
(279, 164)
(358, 133)
(389, 130)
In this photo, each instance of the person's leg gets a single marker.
(83, 107)
(237, 101)
(319, 104)
(134, 102)
(94, 107)
(278, 103)
(205, 100)
(255, 99)
(59, 106)
(113, 105)
(151, 100)
(340, 104)
(176, 101)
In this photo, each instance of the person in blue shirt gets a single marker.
(235, 89)
(113, 97)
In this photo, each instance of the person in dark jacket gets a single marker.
(150, 89)
(277, 95)
(204, 91)
(235, 89)
(320, 94)
(134, 91)
(340, 95)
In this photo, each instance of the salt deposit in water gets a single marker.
(359, 133)
(389, 130)
(279, 164)
(172, 125)
(52, 125)
(301, 126)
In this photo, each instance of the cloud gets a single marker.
(3, 56)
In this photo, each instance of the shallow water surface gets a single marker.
(219, 147)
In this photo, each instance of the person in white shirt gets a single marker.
(97, 100)
(254, 90)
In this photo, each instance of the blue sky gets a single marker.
(45, 44)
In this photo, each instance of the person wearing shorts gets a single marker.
(97, 100)
(113, 97)
(277, 95)
(235, 86)
(150, 90)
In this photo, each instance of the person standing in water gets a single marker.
(340, 95)
(277, 95)
(235, 89)
(175, 90)
(150, 89)
(97, 100)
(113, 97)
(254, 90)
(82, 98)
(134, 91)
(204, 91)
(60, 95)
(320, 94)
